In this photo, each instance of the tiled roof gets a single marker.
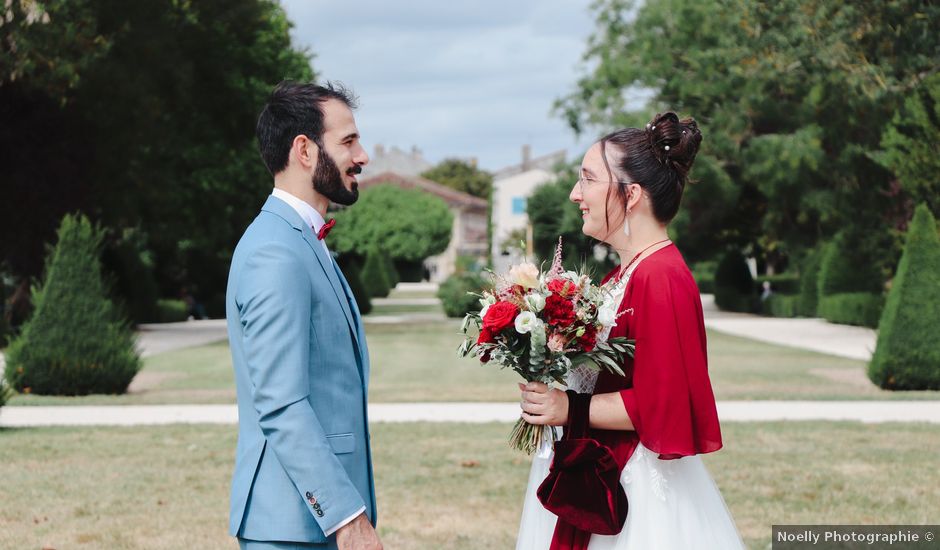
(450, 196)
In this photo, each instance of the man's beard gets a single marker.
(329, 182)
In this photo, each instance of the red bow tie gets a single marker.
(325, 229)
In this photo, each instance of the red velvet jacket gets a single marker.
(666, 391)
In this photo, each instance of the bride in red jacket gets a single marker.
(658, 418)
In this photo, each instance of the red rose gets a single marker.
(559, 311)
(485, 337)
(499, 316)
(588, 340)
(563, 287)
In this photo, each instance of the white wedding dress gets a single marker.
(673, 504)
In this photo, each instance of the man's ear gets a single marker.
(304, 151)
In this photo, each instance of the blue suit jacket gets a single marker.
(301, 365)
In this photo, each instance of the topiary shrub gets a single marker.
(907, 356)
(390, 271)
(74, 343)
(375, 276)
(734, 285)
(845, 269)
(781, 305)
(852, 308)
(454, 296)
(809, 283)
(353, 274)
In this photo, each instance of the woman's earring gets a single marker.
(626, 224)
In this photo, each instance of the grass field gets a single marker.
(452, 486)
(417, 362)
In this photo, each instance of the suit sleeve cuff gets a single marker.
(336, 527)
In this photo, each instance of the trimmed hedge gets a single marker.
(784, 283)
(734, 285)
(852, 308)
(781, 305)
(172, 311)
(907, 356)
(704, 275)
(74, 343)
(809, 283)
(454, 296)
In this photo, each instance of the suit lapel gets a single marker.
(282, 209)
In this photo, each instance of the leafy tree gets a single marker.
(463, 176)
(912, 143)
(139, 114)
(907, 356)
(75, 343)
(793, 97)
(406, 224)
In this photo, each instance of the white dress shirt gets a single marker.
(313, 219)
(307, 213)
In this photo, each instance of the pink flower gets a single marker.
(556, 342)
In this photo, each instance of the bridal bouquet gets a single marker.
(542, 325)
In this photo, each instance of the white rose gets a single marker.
(535, 301)
(525, 322)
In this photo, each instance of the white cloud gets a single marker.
(468, 79)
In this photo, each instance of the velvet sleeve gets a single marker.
(671, 403)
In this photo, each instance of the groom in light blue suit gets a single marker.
(303, 469)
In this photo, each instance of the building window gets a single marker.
(518, 205)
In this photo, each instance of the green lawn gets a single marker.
(398, 309)
(453, 486)
(417, 362)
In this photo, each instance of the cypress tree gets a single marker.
(75, 342)
(907, 356)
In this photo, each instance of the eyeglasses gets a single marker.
(586, 183)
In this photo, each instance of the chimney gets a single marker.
(415, 152)
(379, 150)
(526, 157)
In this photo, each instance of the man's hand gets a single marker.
(543, 405)
(358, 534)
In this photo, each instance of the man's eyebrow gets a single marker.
(354, 135)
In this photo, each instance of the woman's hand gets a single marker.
(544, 405)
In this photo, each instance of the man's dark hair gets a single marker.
(295, 108)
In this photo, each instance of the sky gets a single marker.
(456, 79)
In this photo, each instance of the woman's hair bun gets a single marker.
(674, 142)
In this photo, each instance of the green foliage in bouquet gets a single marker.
(734, 285)
(375, 275)
(459, 293)
(75, 343)
(907, 356)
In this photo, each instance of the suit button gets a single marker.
(309, 496)
(320, 513)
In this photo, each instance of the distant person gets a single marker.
(303, 469)
(194, 310)
(766, 291)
